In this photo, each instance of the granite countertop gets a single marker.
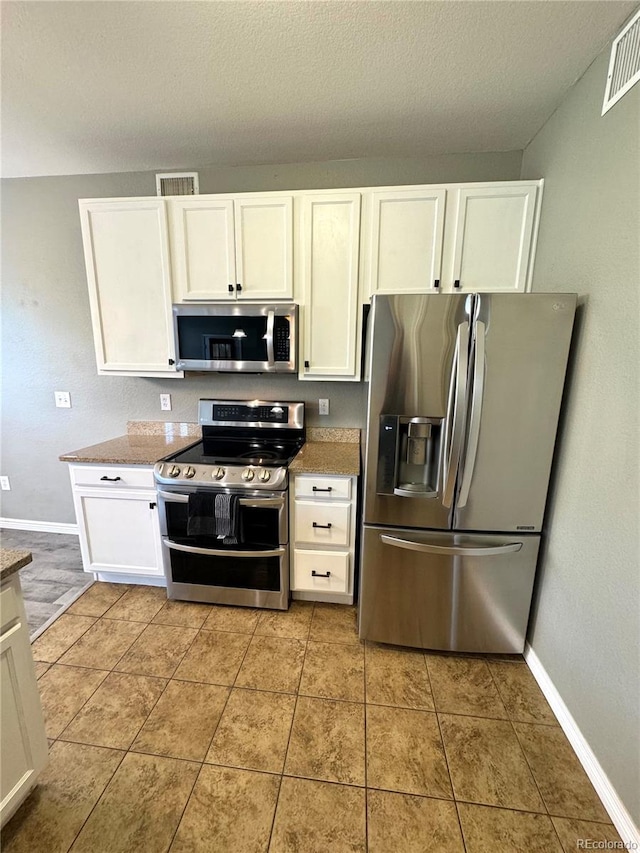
(144, 444)
(12, 561)
(329, 451)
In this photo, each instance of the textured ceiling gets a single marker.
(124, 86)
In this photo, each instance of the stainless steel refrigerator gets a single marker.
(463, 406)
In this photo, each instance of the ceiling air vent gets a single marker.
(177, 183)
(624, 65)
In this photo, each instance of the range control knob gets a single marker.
(247, 475)
(217, 473)
(189, 472)
(174, 471)
(264, 476)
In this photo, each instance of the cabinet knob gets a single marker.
(171, 362)
(307, 365)
(436, 283)
(456, 283)
(231, 288)
(238, 287)
(152, 505)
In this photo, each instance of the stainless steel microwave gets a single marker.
(226, 336)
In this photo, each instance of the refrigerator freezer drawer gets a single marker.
(447, 591)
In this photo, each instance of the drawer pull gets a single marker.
(316, 489)
(111, 479)
(315, 574)
(324, 526)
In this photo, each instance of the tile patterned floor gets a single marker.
(53, 578)
(187, 727)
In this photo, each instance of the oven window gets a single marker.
(229, 571)
(258, 528)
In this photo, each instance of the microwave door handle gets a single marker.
(452, 550)
(477, 395)
(215, 552)
(456, 415)
(270, 354)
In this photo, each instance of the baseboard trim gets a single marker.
(40, 526)
(619, 815)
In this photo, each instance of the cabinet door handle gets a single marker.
(315, 574)
(231, 288)
(456, 283)
(323, 526)
(307, 365)
(316, 489)
(171, 362)
(111, 479)
(153, 505)
(436, 283)
(239, 287)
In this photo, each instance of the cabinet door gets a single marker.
(264, 247)
(202, 248)
(127, 257)
(492, 243)
(406, 240)
(119, 532)
(331, 239)
(23, 740)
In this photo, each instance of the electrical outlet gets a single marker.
(63, 399)
(165, 402)
(323, 406)
(5, 485)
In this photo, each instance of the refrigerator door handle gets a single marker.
(456, 415)
(477, 394)
(452, 550)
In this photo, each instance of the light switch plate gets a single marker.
(63, 399)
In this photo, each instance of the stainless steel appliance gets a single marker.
(247, 338)
(244, 453)
(464, 399)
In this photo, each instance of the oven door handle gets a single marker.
(215, 552)
(255, 503)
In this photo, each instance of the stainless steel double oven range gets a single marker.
(245, 449)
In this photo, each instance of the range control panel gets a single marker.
(251, 413)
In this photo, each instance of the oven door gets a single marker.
(253, 573)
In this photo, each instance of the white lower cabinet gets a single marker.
(323, 524)
(23, 742)
(118, 522)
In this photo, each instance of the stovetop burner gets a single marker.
(244, 445)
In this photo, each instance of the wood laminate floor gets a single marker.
(190, 728)
(55, 575)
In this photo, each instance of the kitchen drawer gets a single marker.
(335, 563)
(113, 476)
(9, 606)
(331, 523)
(333, 488)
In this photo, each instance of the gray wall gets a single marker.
(585, 627)
(46, 328)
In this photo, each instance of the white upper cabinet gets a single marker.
(202, 248)
(494, 228)
(126, 253)
(264, 247)
(407, 229)
(330, 237)
(225, 248)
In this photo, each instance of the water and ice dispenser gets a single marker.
(409, 456)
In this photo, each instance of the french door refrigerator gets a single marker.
(463, 406)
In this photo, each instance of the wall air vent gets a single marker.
(624, 65)
(177, 183)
